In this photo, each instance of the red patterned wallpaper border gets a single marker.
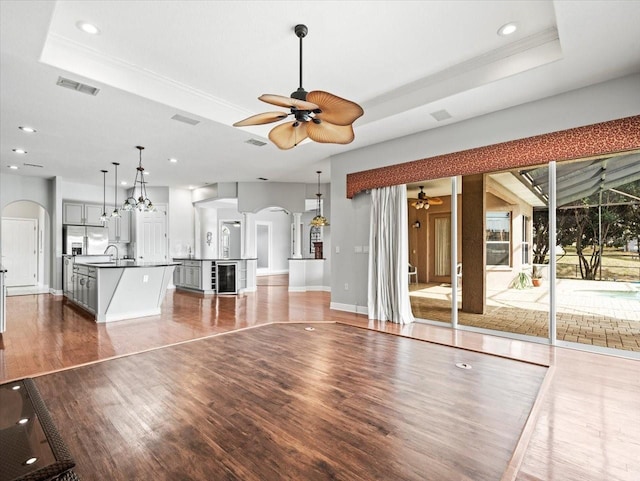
(588, 141)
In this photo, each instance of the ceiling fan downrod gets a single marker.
(301, 32)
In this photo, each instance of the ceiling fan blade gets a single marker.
(288, 102)
(259, 119)
(287, 136)
(328, 133)
(434, 201)
(335, 109)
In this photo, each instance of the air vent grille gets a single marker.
(79, 87)
(440, 115)
(257, 142)
(186, 120)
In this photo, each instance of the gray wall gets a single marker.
(350, 218)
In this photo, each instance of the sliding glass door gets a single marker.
(546, 253)
(430, 250)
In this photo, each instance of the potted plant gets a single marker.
(521, 281)
(536, 276)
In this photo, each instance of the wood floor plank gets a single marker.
(282, 403)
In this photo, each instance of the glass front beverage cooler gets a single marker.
(227, 277)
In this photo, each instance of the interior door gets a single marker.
(154, 237)
(19, 253)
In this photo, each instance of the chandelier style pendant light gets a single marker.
(319, 220)
(104, 217)
(116, 211)
(142, 203)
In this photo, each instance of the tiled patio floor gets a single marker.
(599, 313)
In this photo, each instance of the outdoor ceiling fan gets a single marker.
(424, 202)
(319, 115)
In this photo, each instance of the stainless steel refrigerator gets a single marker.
(86, 241)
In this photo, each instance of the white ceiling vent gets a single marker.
(256, 142)
(186, 120)
(440, 115)
(80, 87)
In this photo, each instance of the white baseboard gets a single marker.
(336, 306)
(272, 273)
(247, 289)
(309, 288)
(55, 292)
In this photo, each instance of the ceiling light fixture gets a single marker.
(104, 217)
(507, 29)
(424, 201)
(13, 167)
(173, 161)
(19, 151)
(142, 203)
(29, 130)
(319, 116)
(319, 220)
(124, 182)
(87, 27)
(116, 211)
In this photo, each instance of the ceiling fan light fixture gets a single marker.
(324, 117)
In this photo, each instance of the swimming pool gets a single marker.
(631, 295)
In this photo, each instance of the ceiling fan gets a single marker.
(319, 115)
(424, 202)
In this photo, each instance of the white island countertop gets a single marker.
(124, 289)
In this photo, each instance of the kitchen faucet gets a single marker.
(116, 248)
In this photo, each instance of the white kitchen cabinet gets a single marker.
(92, 214)
(120, 227)
(72, 213)
(67, 276)
(81, 214)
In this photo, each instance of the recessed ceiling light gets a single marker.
(173, 161)
(23, 421)
(14, 167)
(29, 130)
(19, 151)
(124, 182)
(30, 460)
(191, 187)
(507, 29)
(87, 27)
(146, 172)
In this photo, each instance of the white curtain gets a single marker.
(388, 298)
(443, 247)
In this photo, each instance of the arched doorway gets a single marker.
(26, 247)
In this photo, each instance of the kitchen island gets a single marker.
(113, 291)
(215, 276)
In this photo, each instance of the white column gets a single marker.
(297, 240)
(249, 250)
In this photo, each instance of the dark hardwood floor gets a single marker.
(282, 403)
(583, 427)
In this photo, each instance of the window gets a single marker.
(526, 239)
(498, 238)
